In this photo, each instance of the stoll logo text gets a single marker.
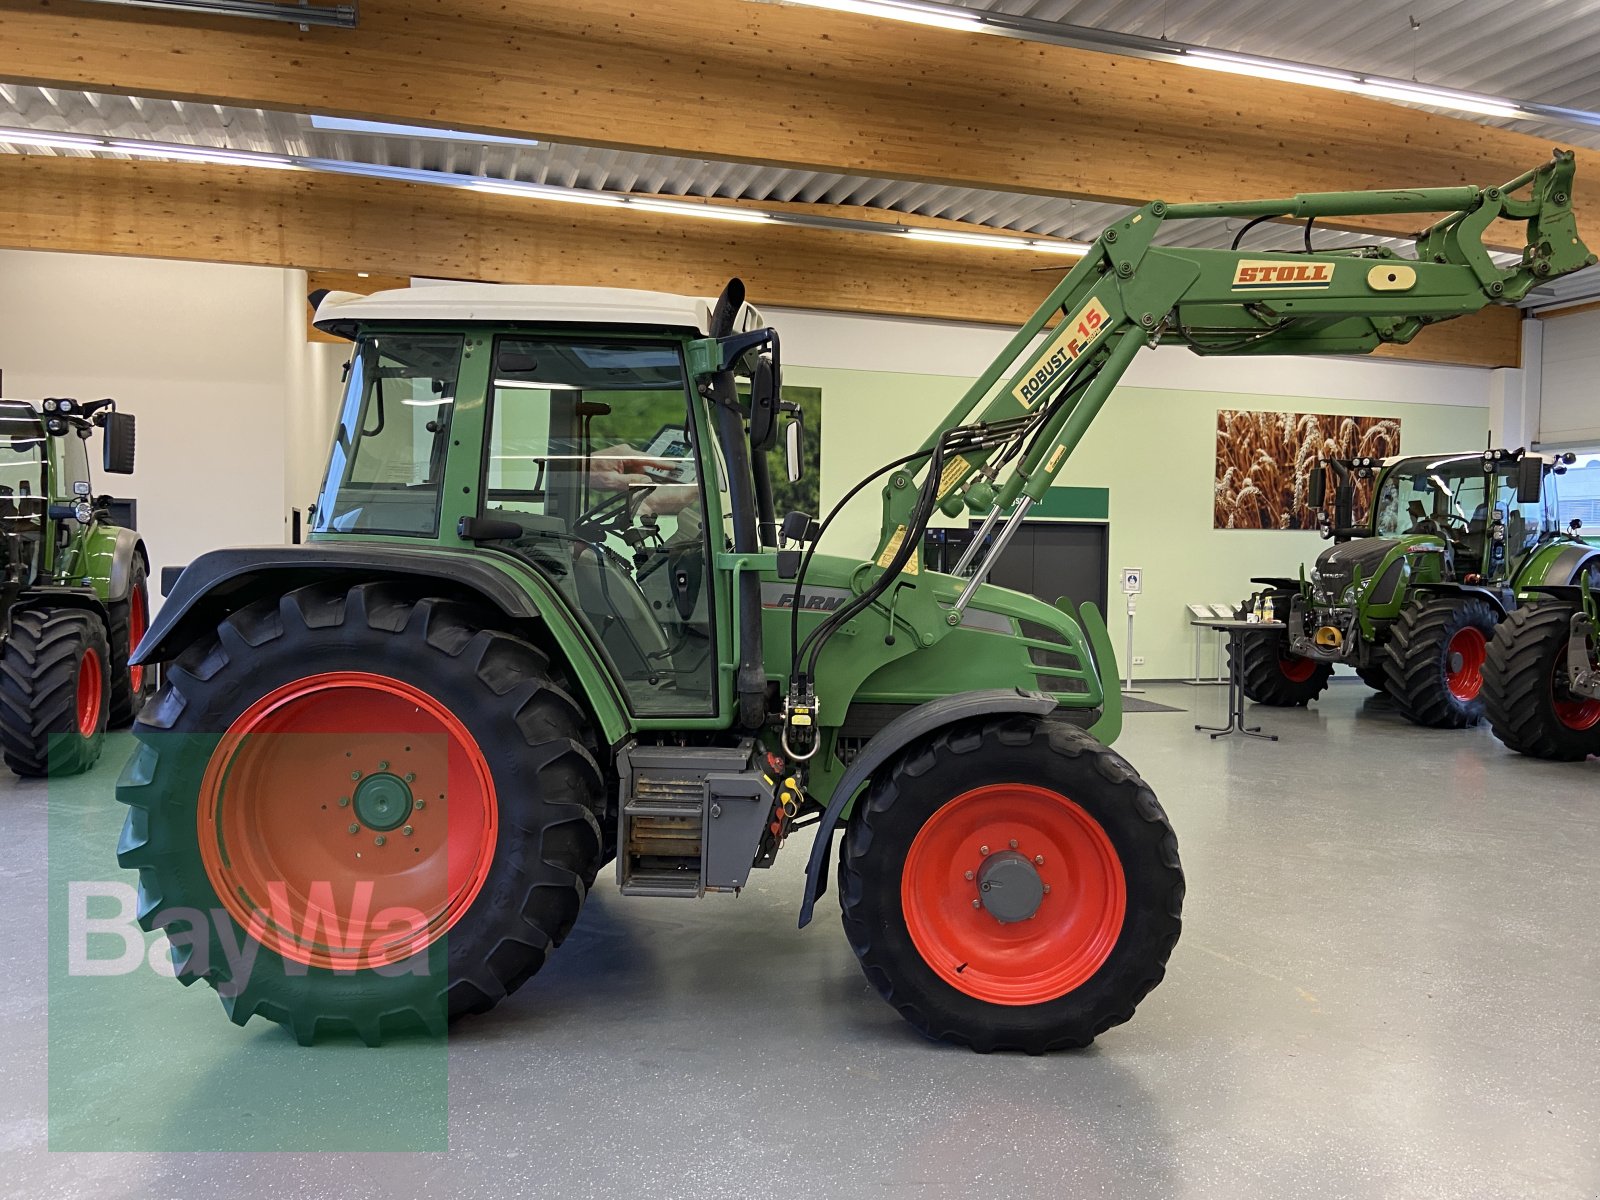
(1258, 275)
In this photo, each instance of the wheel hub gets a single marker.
(382, 801)
(1457, 661)
(1009, 887)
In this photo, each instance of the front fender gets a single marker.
(889, 741)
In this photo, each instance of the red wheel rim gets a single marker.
(91, 690)
(138, 622)
(1469, 647)
(1029, 961)
(1579, 713)
(292, 777)
(1295, 668)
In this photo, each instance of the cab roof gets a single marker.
(341, 313)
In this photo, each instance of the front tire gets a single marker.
(1275, 676)
(130, 686)
(1011, 886)
(1436, 659)
(293, 759)
(1525, 694)
(53, 686)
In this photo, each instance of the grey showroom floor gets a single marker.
(1388, 986)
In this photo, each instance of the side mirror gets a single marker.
(1530, 478)
(794, 449)
(1319, 486)
(119, 435)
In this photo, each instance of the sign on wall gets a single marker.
(1265, 459)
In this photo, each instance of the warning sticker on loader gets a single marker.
(893, 548)
(1075, 335)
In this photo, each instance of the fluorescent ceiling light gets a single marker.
(715, 212)
(394, 129)
(206, 154)
(988, 242)
(1487, 106)
(1214, 60)
(429, 403)
(62, 141)
(535, 191)
(915, 14)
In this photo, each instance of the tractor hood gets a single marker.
(1337, 565)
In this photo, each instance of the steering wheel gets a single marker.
(618, 513)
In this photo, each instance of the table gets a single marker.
(1237, 631)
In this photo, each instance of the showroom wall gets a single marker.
(233, 403)
(236, 409)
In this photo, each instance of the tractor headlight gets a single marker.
(83, 511)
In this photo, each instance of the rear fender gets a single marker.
(224, 581)
(894, 737)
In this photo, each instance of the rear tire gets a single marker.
(1087, 954)
(1274, 676)
(53, 686)
(1436, 658)
(522, 792)
(130, 686)
(1524, 688)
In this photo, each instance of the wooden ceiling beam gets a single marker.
(762, 82)
(328, 223)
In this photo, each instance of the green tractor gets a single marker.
(1411, 598)
(73, 599)
(549, 619)
(1541, 683)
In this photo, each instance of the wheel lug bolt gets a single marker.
(407, 831)
(354, 827)
(384, 765)
(1038, 860)
(420, 805)
(1047, 889)
(977, 904)
(344, 801)
(983, 850)
(1013, 843)
(378, 841)
(411, 776)
(355, 774)
(969, 874)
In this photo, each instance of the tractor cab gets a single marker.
(24, 489)
(1489, 510)
(560, 429)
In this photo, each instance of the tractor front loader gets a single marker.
(549, 618)
(1412, 596)
(73, 602)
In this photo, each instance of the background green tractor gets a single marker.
(1412, 596)
(73, 598)
(1541, 683)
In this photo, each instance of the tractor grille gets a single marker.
(1061, 669)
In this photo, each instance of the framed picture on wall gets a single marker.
(1265, 461)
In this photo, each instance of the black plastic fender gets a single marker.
(223, 581)
(889, 741)
(128, 545)
(1497, 597)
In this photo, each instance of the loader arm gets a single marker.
(1037, 399)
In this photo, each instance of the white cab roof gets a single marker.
(534, 303)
